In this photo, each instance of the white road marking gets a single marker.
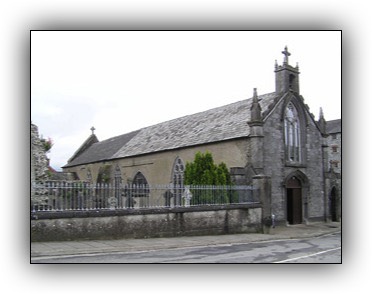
(305, 256)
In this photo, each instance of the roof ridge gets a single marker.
(117, 136)
(208, 110)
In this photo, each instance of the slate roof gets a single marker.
(103, 150)
(334, 126)
(214, 125)
(88, 142)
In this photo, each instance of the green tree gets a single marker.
(204, 172)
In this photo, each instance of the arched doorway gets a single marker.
(294, 200)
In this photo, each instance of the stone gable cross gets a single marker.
(286, 54)
(92, 129)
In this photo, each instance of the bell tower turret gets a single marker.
(286, 76)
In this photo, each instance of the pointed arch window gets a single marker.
(140, 186)
(178, 180)
(117, 182)
(292, 134)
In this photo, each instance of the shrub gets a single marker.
(204, 172)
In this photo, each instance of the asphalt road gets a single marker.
(323, 249)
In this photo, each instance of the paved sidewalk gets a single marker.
(39, 249)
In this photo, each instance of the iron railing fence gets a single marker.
(62, 196)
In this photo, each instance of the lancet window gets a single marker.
(117, 181)
(292, 134)
(140, 185)
(178, 180)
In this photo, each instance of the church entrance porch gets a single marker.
(294, 201)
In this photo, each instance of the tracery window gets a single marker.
(292, 134)
(117, 181)
(178, 180)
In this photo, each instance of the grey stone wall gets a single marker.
(39, 160)
(274, 160)
(184, 221)
(315, 172)
(334, 152)
(39, 166)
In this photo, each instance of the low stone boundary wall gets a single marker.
(146, 223)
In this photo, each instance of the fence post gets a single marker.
(263, 185)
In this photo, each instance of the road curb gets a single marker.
(134, 245)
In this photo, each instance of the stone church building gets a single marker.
(271, 135)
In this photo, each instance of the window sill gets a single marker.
(294, 164)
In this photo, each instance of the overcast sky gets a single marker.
(122, 81)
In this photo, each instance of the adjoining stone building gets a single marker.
(271, 136)
(334, 140)
(333, 175)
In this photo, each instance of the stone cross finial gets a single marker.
(286, 54)
(92, 129)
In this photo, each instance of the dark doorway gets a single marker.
(333, 206)
(294, 201)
